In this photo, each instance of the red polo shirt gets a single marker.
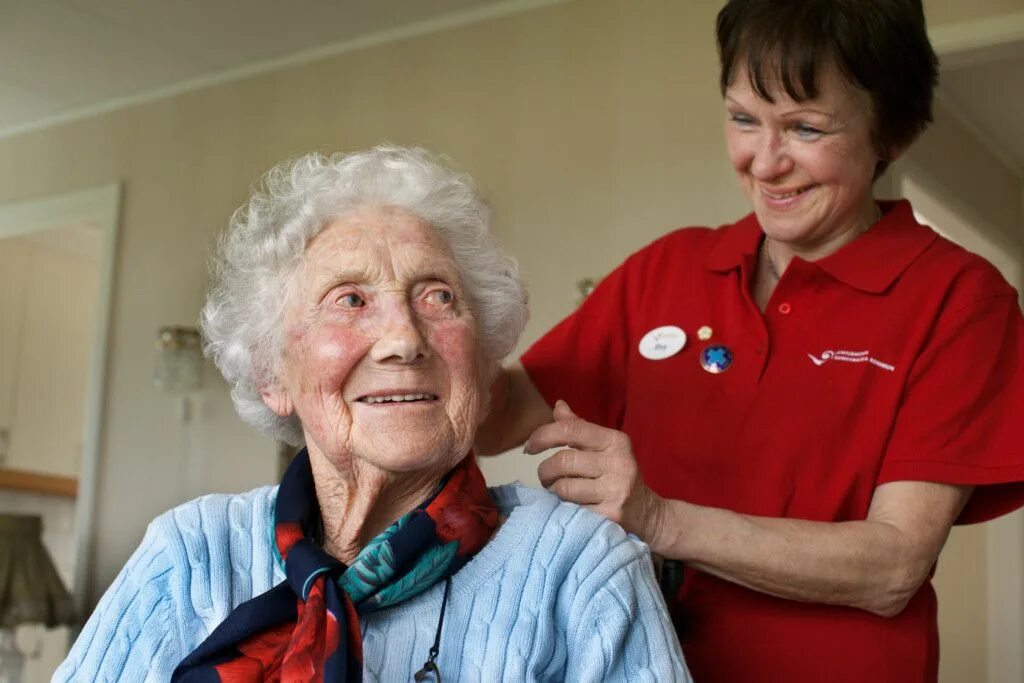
(899, 357)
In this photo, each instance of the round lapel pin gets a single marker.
(704, 333)
(716, 358)
(662, 342)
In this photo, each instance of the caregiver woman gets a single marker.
(849, 385)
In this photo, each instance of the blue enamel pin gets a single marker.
(716, 358)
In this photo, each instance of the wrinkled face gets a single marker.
(807, 167)
(381, 359)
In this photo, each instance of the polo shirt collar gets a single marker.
(870, 263)
(736, 243)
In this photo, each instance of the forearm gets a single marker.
(870, 565)
(516, 409)
(876, 564)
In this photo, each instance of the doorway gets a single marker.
(56, 279)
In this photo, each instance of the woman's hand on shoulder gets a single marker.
(597, 470)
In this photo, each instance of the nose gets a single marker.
(400, 338)
(771, 159)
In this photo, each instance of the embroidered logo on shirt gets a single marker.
(849, 357)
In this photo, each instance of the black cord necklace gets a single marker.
(430, 668)
(768, 259)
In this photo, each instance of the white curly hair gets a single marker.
(265, 241)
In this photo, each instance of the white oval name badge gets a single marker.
(662, 342)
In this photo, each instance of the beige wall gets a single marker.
(601, 133)
(944, 12)
(592, 126)
(950, 162)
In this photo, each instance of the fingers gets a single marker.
(579, 491)
(562, 411)
(569, 430)
(570, 463)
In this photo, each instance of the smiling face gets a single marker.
(807, 167)
(381, 361)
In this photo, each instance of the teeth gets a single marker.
(787, 195)
(398, 398)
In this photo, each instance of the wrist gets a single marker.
(666, 533)
(656, 521)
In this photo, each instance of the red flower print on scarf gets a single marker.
(261, 657)
(303, 662)
(287, 534)
(463, 510)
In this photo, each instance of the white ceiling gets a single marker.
(58, 57)
(62, 58)
(989, 95)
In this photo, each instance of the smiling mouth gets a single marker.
(774, 196)
(397, 398)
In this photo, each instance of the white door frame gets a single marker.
(99, 206)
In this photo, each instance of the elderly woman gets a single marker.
(799, 405)
(360, 309)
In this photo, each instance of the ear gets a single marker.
(891, 154)
(490, 371)
(277, 399)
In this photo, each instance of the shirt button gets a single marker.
(785, 308)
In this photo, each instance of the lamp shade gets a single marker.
(31, 591)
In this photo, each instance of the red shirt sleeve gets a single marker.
(583, 359)
(961, 420)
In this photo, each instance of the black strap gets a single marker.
(671, 581)
(430, 668)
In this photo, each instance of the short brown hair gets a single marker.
(880, 46)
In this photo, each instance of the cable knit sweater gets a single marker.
(558, 594)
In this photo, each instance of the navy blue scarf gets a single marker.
(307, 627)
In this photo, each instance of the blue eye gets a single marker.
(440, 297)
(805, 132)
(741, 119)
(351, 300)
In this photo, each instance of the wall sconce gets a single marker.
(583, 289)
(179, 360)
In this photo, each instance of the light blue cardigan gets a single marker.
(559, 594)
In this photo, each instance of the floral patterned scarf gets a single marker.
(307, 627)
